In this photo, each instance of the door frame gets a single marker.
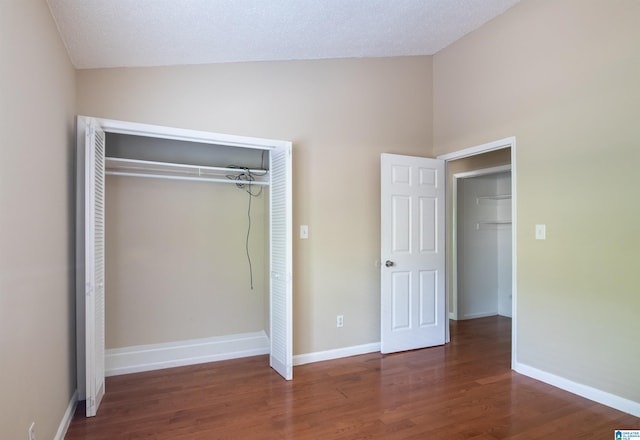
(284, 274)
(509, 142)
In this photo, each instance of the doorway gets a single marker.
(482, 253)
(90, 256)
(493, 154)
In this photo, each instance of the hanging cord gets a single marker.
(244, 181)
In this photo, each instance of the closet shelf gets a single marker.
(115, 166)
(495, 197)
(480, 225)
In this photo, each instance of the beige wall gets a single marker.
(559, 75)
(562, 76)
(176, 264)
(340, 115)
(37, 107)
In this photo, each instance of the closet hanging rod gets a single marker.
(194, 178)
(117, 162)
(167, 170)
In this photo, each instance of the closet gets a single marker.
(483, 240)
(192, 232)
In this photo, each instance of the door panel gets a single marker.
(412, 252)
(401, 300)
(281, 309)
(428, 297)
(91, 151)
(401, 227)
(428, 213)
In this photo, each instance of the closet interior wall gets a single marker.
(496, 158)
(484, 246)
(176, 255)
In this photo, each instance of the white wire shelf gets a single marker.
(115, 166)
(492, 224)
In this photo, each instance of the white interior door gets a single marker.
(281, 330)
(91, 151)
(412, 253)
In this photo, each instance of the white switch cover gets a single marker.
(541, 232)
(304, 232)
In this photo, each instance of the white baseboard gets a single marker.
(307, 358)
(478, 315)
(68, 416)
(176, 354)
(599, 396)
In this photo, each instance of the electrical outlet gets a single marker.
(32, 431)
(339, 321)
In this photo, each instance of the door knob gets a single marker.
(389, 263)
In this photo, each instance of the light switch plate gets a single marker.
(541, 232)
(304, 232)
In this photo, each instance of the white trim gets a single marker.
(514, 255)
(181, 134)
(453, 291)
(68, 416)
(479, 149)
(599, 396)
(509, 142)
(478, 315)
(308, 358)
(139, 358)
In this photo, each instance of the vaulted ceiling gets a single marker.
(116, 33)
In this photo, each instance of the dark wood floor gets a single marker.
(464, 390)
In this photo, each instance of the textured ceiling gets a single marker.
(116, 33)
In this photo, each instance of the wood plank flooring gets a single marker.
(464, 390)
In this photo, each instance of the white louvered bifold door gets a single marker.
(281, 257)
(94, 265)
